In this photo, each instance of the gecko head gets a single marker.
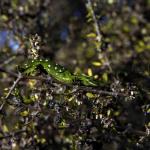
(23, 67)
(27, 68)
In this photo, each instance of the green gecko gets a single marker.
(58, 72)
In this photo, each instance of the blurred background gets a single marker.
(68, 37)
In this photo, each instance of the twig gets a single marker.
(99, 36)
(11, 89)
(98, 32)
(8, 72)
(12, 134)
(98, 91)
(14, 85)
(7, 61)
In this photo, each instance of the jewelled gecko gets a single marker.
(58, 72)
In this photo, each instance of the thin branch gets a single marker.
(7, 61)
(11, 89)
(8, 72)
(99, 35)
(98, 91)
(98, 32)
(12, 134)
(14, 85)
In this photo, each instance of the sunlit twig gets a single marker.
(14, 85)
(98, 33)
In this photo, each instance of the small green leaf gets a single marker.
(96, 63)
(91, 35)
(105, 77)
(24, 113)
(90, 95)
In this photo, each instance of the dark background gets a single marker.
(37, 114)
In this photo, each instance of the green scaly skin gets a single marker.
(57, 72)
